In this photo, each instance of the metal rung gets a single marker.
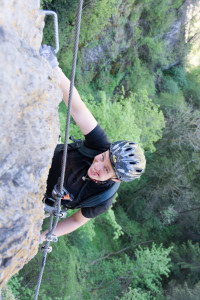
(52, 13)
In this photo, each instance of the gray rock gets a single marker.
(29, 129)
(172, 36)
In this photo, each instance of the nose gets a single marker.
(97, 158)
(97, 165)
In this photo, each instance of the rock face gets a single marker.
(29, 130)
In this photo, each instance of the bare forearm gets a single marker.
(65, 86)
(68, 225)
(80, 113)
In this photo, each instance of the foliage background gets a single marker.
(138, 81)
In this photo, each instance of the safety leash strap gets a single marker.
(59, 191)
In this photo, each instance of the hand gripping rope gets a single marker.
(58, 189)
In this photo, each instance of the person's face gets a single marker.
(101, 168)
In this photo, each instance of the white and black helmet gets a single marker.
(127, 159)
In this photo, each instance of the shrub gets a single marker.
(192, 91)
(166, 100)
(170, 85)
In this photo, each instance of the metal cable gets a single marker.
(51, 225)
(80, 5)
(41, 271)
(43, 260)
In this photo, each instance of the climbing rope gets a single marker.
(58, 189)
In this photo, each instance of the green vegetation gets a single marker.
(145, 119)
(139, 88)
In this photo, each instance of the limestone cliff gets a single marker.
(29, 130)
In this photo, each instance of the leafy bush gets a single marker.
(141, 76)
(142, 273)
(136, 293)
(170, 85)
(137, 117)
(183, 292)
(44, 2)
(151, 51)
(166, 100)
(96, 17)
(18, 290)
(186, 262)
(192, 91)
(177, 3)
(7, 294)
(150, 265)
(148, 118)
(154, 12)
(179, 75)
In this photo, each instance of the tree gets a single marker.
(183, 292)
(117, 274)
(172, 174)
(137, 117)
(186, 262)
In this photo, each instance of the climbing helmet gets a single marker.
(127, 159)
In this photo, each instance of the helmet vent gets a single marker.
(127, 159)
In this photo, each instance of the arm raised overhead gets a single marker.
(80, 113)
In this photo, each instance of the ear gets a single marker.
(116, 180)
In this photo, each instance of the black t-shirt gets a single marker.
(77, 167)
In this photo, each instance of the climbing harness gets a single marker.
(58, 192)
(52, 13)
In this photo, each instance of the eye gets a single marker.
(106, 170)
(102, 157)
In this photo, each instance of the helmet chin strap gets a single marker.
(115, 178)
(84, 178)
(96, 181)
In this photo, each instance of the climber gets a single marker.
(86, 176)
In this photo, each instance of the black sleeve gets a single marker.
(97, 139)
(92, 212)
